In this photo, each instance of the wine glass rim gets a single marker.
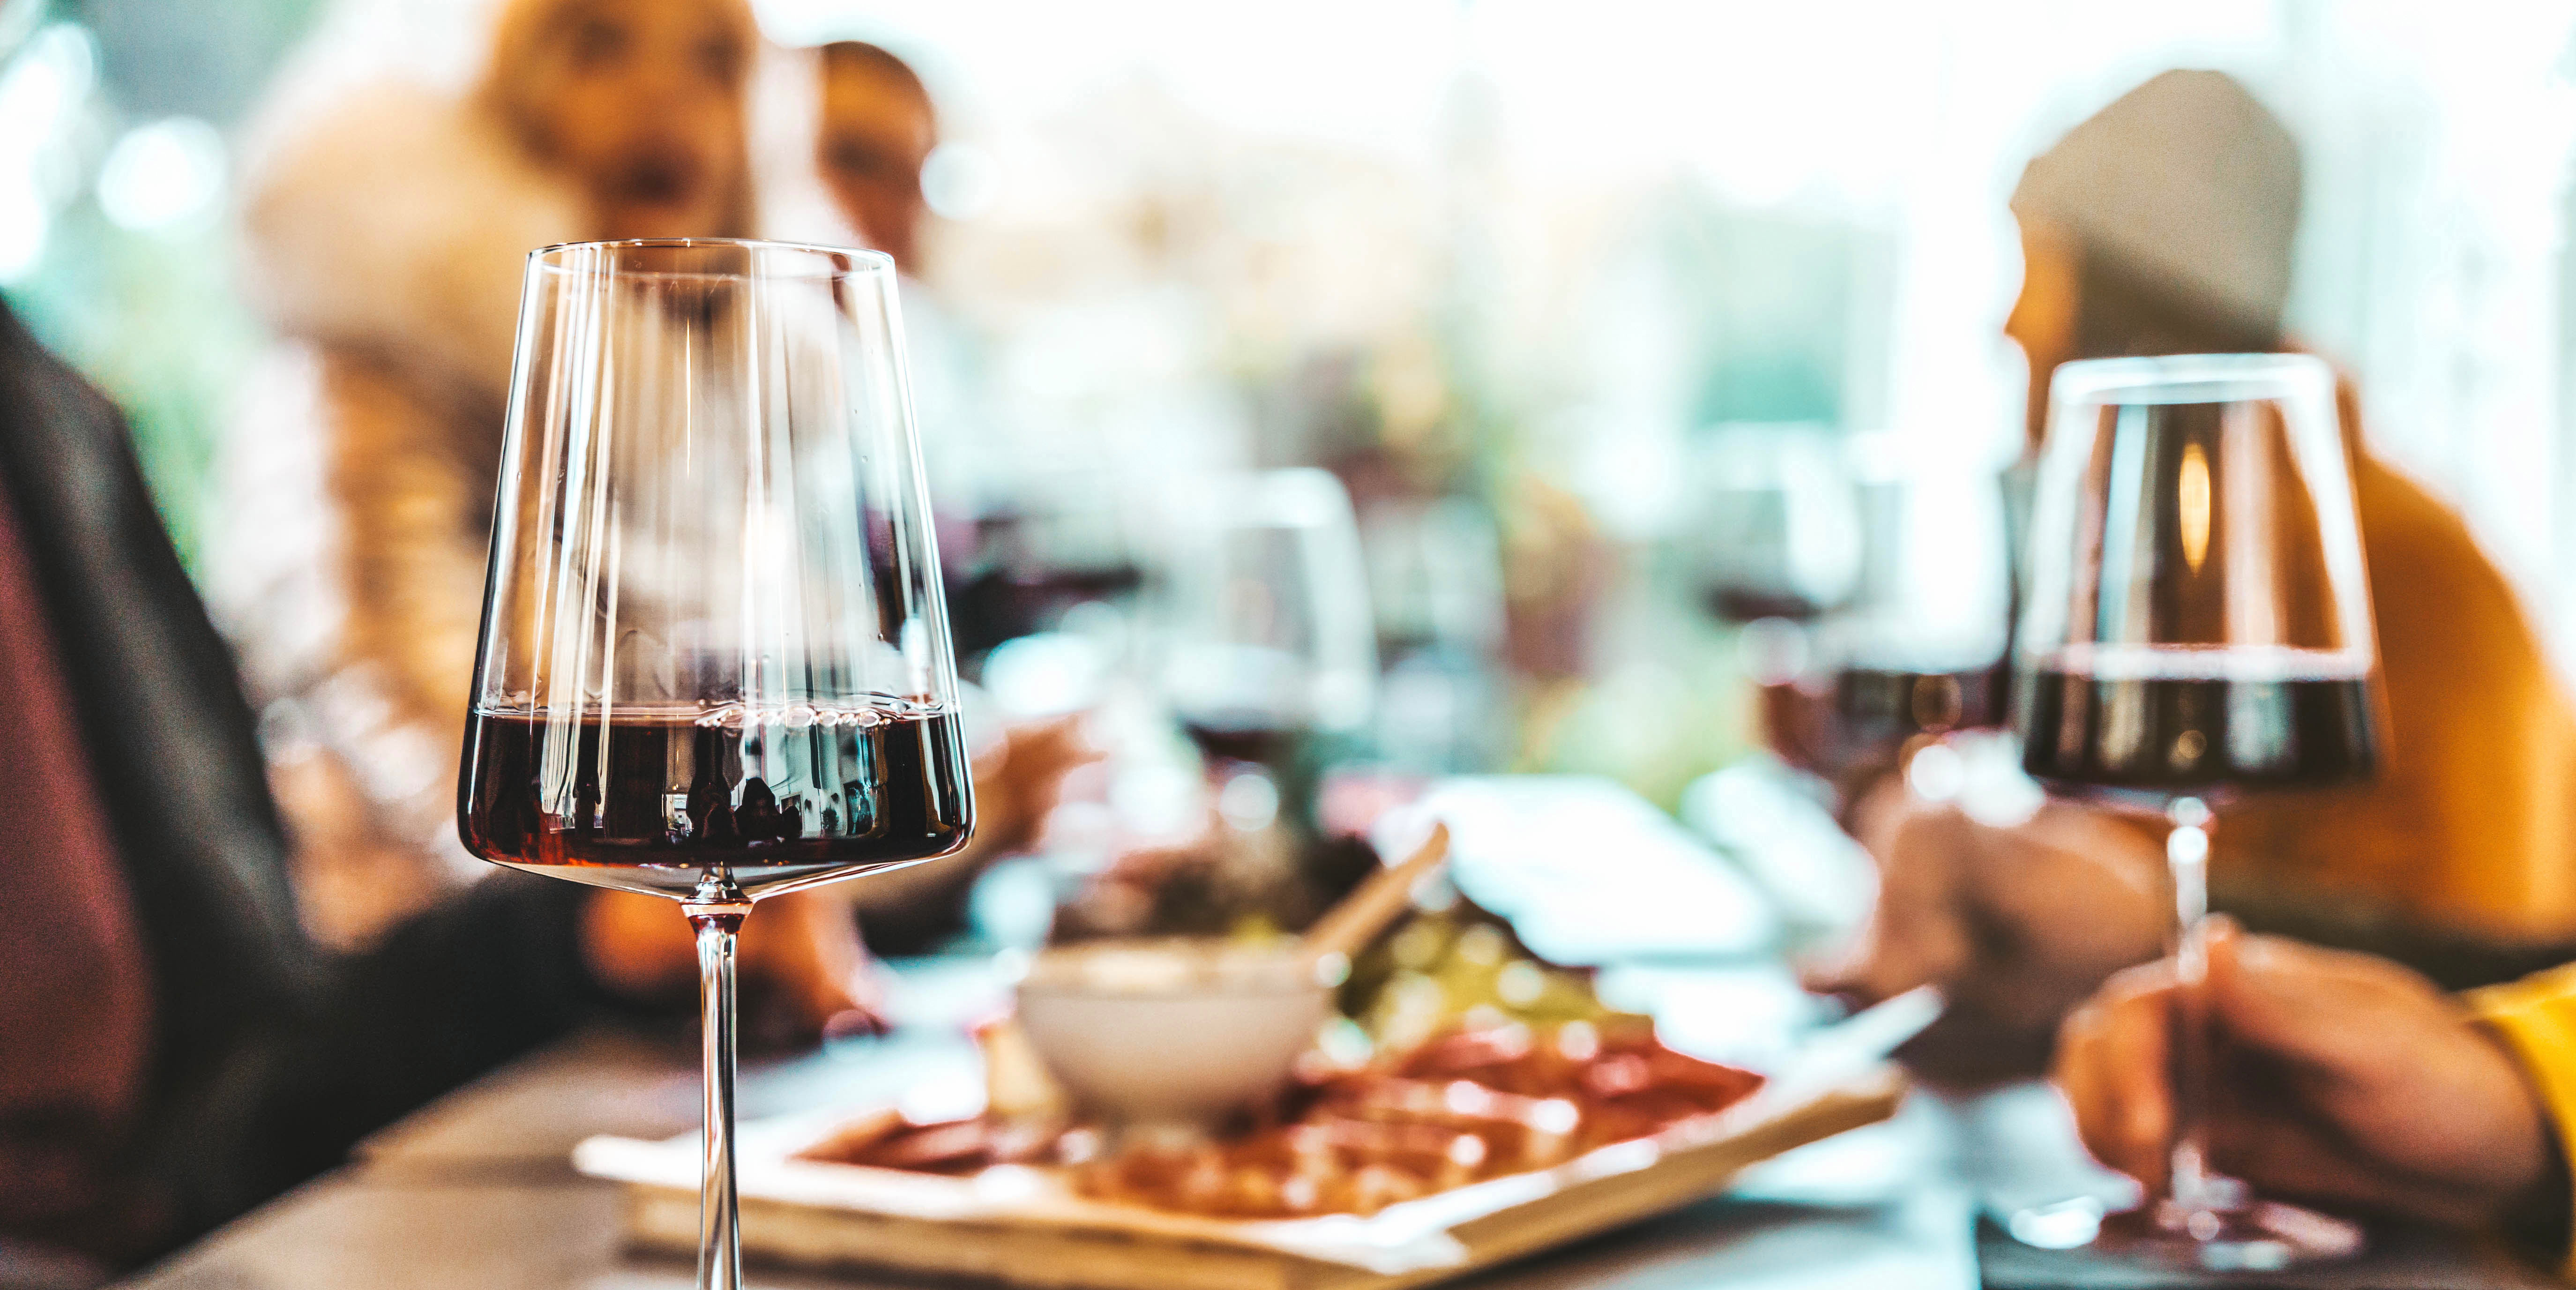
(2190, 378)
(844, 260)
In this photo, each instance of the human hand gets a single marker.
(802, 969)
(1018, 778)
(2336, 1078)
(2016, 923)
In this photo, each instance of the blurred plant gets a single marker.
(114, 180)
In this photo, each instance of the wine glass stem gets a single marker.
(716, 910)
(2196, 1190)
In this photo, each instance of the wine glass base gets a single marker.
(2263, 1236)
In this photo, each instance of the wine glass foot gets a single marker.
(2261, 1236)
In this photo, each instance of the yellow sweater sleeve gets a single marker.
(2537, 1018)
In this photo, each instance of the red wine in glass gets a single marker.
(657, 801)
(2198, 625)
(715, 661)
(1876, 705)
(2179, 722)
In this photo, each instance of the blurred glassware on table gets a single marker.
(1919, 647)
(715, 663)
(1435, 581)
(1049, 543)
(1268, 654)
(1777, 523)
(2199, 627)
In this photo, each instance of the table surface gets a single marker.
(476, 1190)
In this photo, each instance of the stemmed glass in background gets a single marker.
(1268, 640)
(1777, 543)
(1919, 647)
(1779, 525)
(2197, 624)
(715, 664)
(1435, 581)
(1058, 539)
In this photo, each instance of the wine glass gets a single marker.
(715, 664)
(1269, 638)
(1779, 533)
(1919, 647)
(2197, 625)
(1435, 576)
(1777, 544)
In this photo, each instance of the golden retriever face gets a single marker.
(639, 102)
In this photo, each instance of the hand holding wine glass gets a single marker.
(2198, 625)
(2344, 1079)
(715, 664)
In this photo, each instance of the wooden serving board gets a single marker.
(792, 1215)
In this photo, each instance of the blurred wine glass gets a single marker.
(2198, 626)
(1054, 541)
(1919, 647)
(1269, 646)
(1435, 577)
(1775, 543)
(1777, 533)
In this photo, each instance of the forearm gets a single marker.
(446, 996)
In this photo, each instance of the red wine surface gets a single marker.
(2282, 722)
(652, 801)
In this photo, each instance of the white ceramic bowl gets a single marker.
(1169, 1032)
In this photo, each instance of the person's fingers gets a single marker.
(2308, 1006)
(802, 951)
(1058, 742)
(2283, 1152)
(1914, 935)
(2112, 1068)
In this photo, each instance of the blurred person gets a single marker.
(386, 221)
(879, 127)
(174, 1047)
(2163, 225)
(2346, 1080)
(386, 229)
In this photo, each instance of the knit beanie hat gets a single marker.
(2187, 180)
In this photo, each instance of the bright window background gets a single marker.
(1603, 187)
(1583, 232)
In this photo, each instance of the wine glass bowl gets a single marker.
(2199, 614)
(714, 661)
(1920, 648)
